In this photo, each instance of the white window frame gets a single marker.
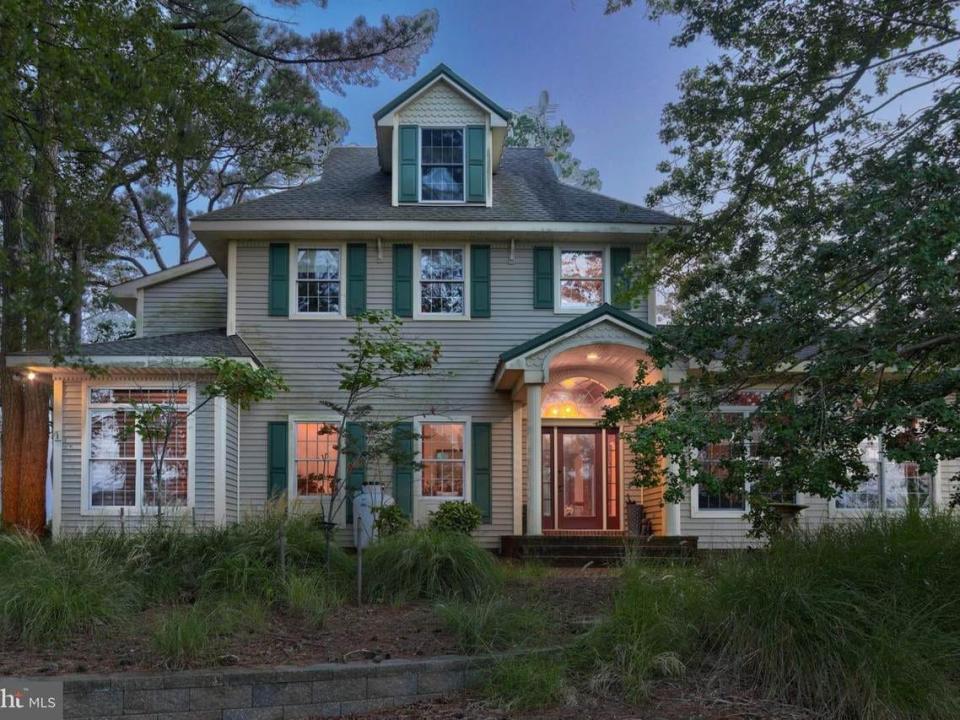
(558, 279)
(295, 248)
(695, 510)
(86, 507)
(935, 501)
(292, 489)
(425, 504)
(420, 129)
(418, 314)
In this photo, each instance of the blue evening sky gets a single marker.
(608, 75)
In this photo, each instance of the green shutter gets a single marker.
(279, 280)
(356, 446)
(356, 279)
(476, 163)
(543, 278)
(403, 467)
(619, 259)
(403, 280)
(277, 454)
(480, 281)
(408, 161)
(481, 468)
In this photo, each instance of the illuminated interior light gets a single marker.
(31, 375)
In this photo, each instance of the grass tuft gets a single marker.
(493, 624)
(312, 596)
(425, 564)
(49, 592)
(183, 636)
(527, 683)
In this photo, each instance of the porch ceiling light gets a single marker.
(31, 375)
(593, 357)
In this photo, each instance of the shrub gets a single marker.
(391, 520)
(50, 591)
(859, 621)
(456, 516)
(424, 563)
(493, 624)
(527, 683)
(312, 596)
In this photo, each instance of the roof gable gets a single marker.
(441, 72)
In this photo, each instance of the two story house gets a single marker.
(472, 243)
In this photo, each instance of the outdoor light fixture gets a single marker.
(31, 376)
(592, 356)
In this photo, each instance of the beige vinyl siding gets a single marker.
(197, 301)
(72, 462)
(306, 351)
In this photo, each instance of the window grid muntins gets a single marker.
(581, 279)
(442, 281)
(441, 164)
(712, 458)
(899, 484)
(318, 280)
(120, 462)
(316, 458)
(442, 459)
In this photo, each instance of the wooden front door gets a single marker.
(579, 479)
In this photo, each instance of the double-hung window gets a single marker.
(890, 486)
(441, 165)
(582, 279)
(319, 275)
(121, 470)
(317, 448)
(712, 459)
(442, 287)
(442, 459)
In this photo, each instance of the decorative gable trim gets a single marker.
(384, 116)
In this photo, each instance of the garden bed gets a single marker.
(375, 631)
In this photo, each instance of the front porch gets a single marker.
(571, 478)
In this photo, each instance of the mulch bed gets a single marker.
(372, 632)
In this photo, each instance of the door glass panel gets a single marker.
(546, 474)
(579, 474)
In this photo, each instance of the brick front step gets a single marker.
(565, 550)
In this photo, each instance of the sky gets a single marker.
(609, 76)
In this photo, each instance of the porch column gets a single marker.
(671, 512)
(534, 456)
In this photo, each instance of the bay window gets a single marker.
(120, 469)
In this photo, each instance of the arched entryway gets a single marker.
(581, 462)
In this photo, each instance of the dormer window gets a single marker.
(441, 164)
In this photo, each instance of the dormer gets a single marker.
(441, 141)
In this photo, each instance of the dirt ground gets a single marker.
(350, 633)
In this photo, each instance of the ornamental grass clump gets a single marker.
(857, 621)
(51, 591)
(426, 564)
(494, 623)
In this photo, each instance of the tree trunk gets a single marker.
(32, 513)
(11, 340)
(78, 276)
(183, 225)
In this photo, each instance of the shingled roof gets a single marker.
(202, 343)
(526, 189)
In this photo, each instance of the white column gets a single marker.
(57, 471)
(517, 431)
(534, 453)
(220, 461)
(671, 512)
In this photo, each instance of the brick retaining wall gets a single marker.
(273, 693)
